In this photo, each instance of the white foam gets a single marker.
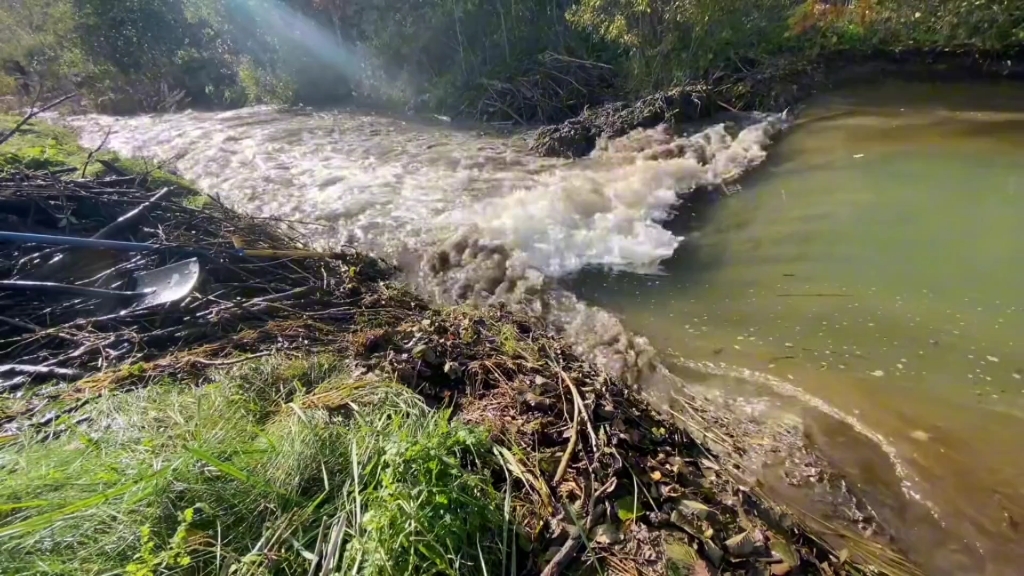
(393, 186)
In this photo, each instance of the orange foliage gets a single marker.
(822, 13)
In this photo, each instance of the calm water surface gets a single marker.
(877, 263)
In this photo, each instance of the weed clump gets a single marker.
(218, 480)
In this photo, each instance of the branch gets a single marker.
(33, 113)
(85, 167)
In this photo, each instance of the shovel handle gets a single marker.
(54, 287)
(23, 238)
(286, 254)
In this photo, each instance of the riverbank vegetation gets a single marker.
(495, 60)
(304, 413)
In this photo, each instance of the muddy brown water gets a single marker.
(874, 264)
(866, 279)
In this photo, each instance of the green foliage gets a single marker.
(669, 41)
(979, 24)
(43, 146)
(127, 55)
(262, 87)
(666, 42)
(40, 35)
(173, 477)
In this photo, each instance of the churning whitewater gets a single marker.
(470, 215)
(404, 187)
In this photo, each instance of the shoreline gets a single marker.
(521, 373)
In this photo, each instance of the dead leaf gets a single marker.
(605, 534)
(844, 555)
(781, 569)
(685, 522)
(741, 545)
(709, 464)
(694, 508)
(784, 550)
(700, 568)
(714, 553)
(680, 554)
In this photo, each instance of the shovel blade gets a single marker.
(167, 284)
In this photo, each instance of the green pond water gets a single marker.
(876, 262)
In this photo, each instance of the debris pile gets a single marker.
(763, 89)
(550, 88)
(87, 319)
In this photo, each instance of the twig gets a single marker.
(40, 370)
(231, 361)
(563, 465)
(117, 225)
(21, 324)
(88, 159)
(567, 553)
(726, 106)
(33, 113)
(586, 415)
(113, 169)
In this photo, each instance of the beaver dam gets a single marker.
(301, 412)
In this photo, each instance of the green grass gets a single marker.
(42, 146)
(258, 472)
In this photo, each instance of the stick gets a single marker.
(93, 152)
(33, 113)
(586, 416)
(231, 361)
(113, 169)
(40, 370)
(117, 225)
(20, 324)
(572, 442)
(567, 553)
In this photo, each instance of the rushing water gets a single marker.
(868, 269)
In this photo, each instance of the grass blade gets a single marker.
(228, 469)
(45, 520)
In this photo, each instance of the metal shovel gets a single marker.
(160, 286)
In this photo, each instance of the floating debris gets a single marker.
(920, 435)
